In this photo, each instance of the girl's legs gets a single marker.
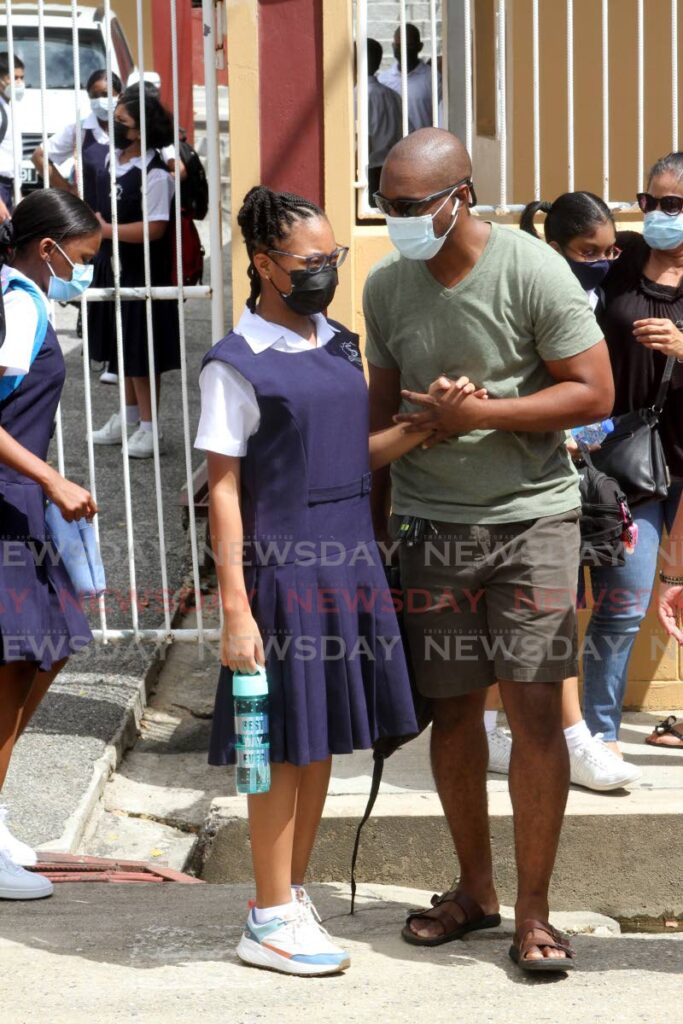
(313, 785)
(142, 390)
(41, 684)
(621, 597)
(283, 824)
(16, 682)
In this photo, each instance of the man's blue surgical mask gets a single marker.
(663, 232)
(65, 291)
(414, 236)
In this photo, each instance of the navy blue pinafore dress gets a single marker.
(41, 618)
(336, 669)
(94, 155)
(101, 324)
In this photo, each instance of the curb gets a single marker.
(77, 824)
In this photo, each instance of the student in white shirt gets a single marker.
(131, 234)
(420, 112)
(385, 126)
(94, 131)
(285, 426)
(7, 154)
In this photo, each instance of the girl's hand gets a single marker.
(73, 501)
(106, 228)
(241, 643)
(660, 335)
(669, 606)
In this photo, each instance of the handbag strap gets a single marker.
(665, 384)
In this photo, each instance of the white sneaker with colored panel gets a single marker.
(20, 853)
(18, 884)
(500, 746)
(296, 944)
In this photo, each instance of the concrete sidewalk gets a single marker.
(117, 954)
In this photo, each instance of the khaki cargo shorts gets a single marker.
(488, 603)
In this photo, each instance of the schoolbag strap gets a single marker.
(665, 384)
(377, 770)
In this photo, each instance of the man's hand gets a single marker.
(660, 335)
(450, 407)
(4, 212)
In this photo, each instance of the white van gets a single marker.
(60, 107)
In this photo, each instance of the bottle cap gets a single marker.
(607, 426)
(245, 685)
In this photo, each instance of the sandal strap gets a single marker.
(524, 943)
(667, 726)
(445, 918)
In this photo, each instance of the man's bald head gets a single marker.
(424, 162)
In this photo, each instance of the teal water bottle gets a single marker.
(252, 742)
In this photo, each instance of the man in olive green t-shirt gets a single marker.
(492, 498)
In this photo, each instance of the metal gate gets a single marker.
(127, 626)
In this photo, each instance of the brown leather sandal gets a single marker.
(522, 943)
(666, 734)
(475, 918)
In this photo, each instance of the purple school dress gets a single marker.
(336, 669)
(41, 619)
(94, 155)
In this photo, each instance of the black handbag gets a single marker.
(633, 453)
(606, 519)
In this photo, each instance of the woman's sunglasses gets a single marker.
(670, 205)
(415, 207)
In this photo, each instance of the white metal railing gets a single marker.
(212, 18)
(456, 42)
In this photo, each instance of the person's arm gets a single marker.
(385, 399)
(583, 393)
(241, 643)
(74, 502)
(134, 233)
(57, 180)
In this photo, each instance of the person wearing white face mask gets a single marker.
(642, 320)
(497, 502)
(7, 155)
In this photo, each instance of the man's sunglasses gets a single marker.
(670, 205)
(415, 207)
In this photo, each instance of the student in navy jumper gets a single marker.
(131, 233)
(44, 253)
(285, 424)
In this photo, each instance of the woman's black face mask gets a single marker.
(311, 293)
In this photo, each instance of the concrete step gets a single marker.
(620, 853)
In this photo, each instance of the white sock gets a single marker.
(577, 735)
(490, 720)
(146, 425)
(132, 414)
(264, 914)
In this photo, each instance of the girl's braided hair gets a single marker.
(265, 218)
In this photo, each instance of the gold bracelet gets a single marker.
(672, 581)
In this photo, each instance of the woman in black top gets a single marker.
(643, 306)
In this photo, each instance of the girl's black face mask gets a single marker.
(311, 293)
(121, 140)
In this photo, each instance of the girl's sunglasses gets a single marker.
(415, 207)
(670, 205)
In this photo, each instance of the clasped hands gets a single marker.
(450, 407)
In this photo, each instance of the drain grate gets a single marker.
(67, 867)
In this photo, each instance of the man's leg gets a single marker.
(539, 783)
(459, 753)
